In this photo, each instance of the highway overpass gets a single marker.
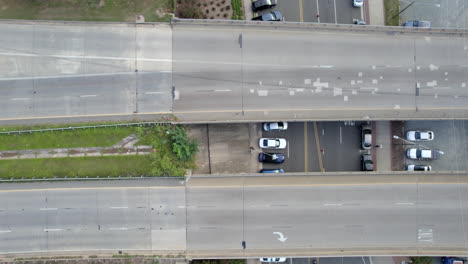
(221, 71)
(341, 214)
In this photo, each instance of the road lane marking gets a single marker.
(88, 95)
(20, 99)
(117, 207)
(333, 204)
(301, 11)
(306, 158)
(341, 136)
(5, 231)
(225, 90)
(239, 186)
(404, 203)
(156, 92)
(246, 110)
(317, 143)
(52, 230)
(48, 209)
(118, 228)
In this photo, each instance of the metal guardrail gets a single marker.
(86, 127)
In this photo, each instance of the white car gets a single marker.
(420, 154)
(415, 135)
(275, 126)
(272, 259)
(272, 143)
(358, 3)
(412, 167)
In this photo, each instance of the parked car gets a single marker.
(366, 162)
(271, 157)
(275, 126)
(421, 154)
(272, 143)
(270, 16)
(417, 23)
(366, 137)
(272, 171)
(358, 3)
(273, 259)
(260, 5)
(416, 135)
(359, 22)
(412, 167)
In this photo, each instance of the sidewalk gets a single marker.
(383, 138)
(376, 10)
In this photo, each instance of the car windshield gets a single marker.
(265, 142)
(417, 135)
(281, 125)
(277, 143)
(418, 153)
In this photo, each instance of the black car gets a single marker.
(271, 157)
(366, 162)
(270, 16)
(260, 5)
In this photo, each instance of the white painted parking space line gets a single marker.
(362, 14)
(5, 231)
(117, 207)
(48, 209)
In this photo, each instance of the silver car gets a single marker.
(272, 143)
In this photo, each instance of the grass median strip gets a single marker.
(128, 166)
(87, 10)
(392, 7)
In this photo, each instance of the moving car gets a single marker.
(416, 135)
(412, 167)
(358, 3)
(271, 157)
(272, 171)
(366, 162)
(272, 143)
(366, 134)
(417, 23)
(260, 5)
(421, 154)
(270, 16)
(275, 126)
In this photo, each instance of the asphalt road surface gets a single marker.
(210, 71)
(405, 214)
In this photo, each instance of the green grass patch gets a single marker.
(89, 137)
(237, 13)
(87, 10)
(392, 8)
(113, 166)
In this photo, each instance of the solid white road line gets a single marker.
(116, 207)
(48, 209)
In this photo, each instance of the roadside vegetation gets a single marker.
(208, 9)
(173, 153)
(392, 8)
(87, 10)
(237, 11)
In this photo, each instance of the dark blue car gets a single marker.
(271, 157)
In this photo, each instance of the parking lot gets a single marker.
(441, 14)
(450, 137)
(335, 146)
(319, 11)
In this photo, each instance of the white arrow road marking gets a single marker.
(281, 237)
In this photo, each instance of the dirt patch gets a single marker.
(206, 9)
(9, 154)
(398, 147)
